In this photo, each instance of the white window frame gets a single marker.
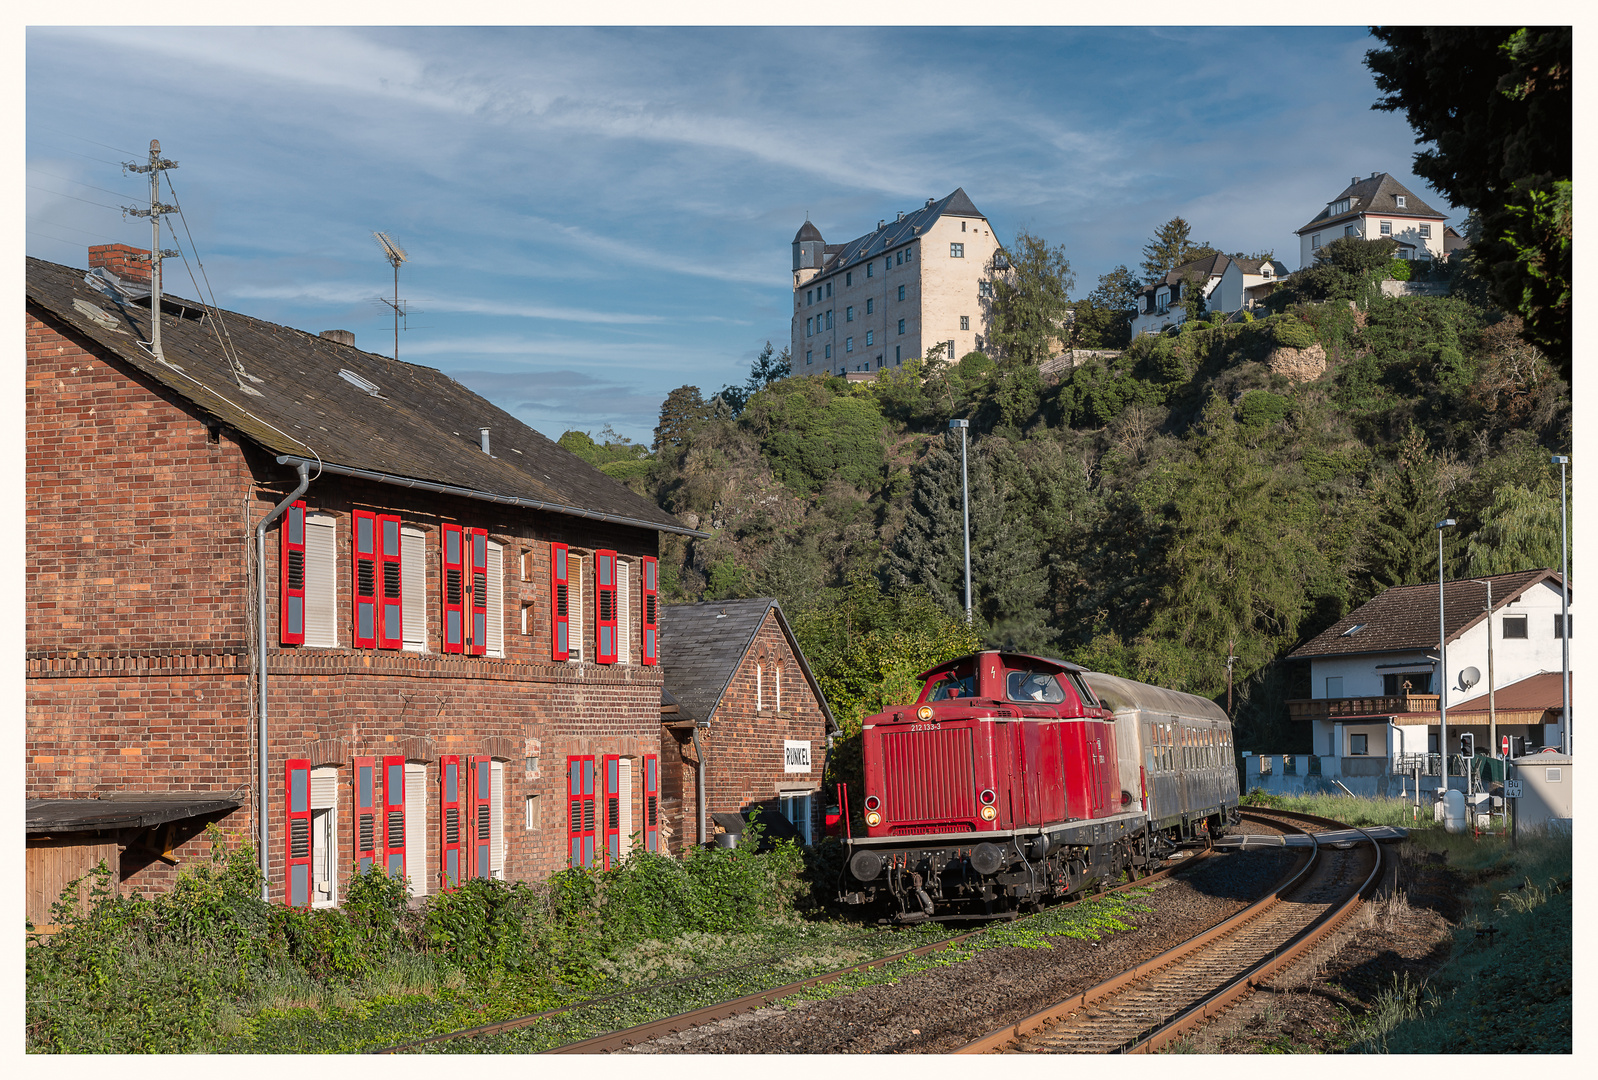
(1401, 201)
(321, 581)
(1425, 230)
(324, 835)
(956, 251)
(1315, 242)
(575, 614)
(534, 812)
(1387, 228)
(413, 578)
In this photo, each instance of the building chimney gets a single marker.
(119, 259)
(901, 215)
(343, 337)
(1354, 180)
(882, 223)
(483, 434)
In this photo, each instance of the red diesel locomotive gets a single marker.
(1016, 779)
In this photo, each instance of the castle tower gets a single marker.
(809, 252)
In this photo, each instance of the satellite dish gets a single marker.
(1469, 678)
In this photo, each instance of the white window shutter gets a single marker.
(321, 580)
(624, 788)
(496, 823)
(496, 599)
(575, 612)
(624, 615)
(324, 836)
(413, 579)
(416, 826)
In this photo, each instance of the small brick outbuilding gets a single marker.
(745, 709)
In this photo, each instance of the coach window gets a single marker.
(957, 682)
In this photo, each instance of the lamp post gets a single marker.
(1442, 646)
(1564, 587)
(965, 512)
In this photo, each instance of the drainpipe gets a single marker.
(699, 783)
(260, 659)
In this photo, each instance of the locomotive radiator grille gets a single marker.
(929, 775)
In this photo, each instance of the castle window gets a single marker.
(901, 292)
(871, 305)
(901, 326)
(829, 320)
(899, 259)
(956, 251)
(807, 356)
(984, 288)
(829, 288)
(965, 322)
(808, 330)
(827, 353)
(896, 349)
(810, 297)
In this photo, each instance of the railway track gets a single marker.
(633, 1036)
(1142, 1010)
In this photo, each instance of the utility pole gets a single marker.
(965, 502)
(1230, 659)
(154, 167)
(1563, 460)
(1442, 652)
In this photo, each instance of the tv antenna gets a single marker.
(395, 255)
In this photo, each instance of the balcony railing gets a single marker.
(1331, 708)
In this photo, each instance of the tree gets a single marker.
(1031, 285)
(1008, 582)
(1349, 268)
(1519, 531)
(682, 411)
(1495, 105)
(1170, 248)
(1401, 546)
(766, 369)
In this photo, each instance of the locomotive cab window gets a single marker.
(1038, 686)
(960, 682)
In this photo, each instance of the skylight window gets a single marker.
(1352, 630)
(359, 382)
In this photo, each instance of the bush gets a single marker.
(1292, 334)
(1399, 270)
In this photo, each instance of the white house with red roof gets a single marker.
(1375, 208)
(1377, 682)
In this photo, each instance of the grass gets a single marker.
(1505, 992)
(1350, 809)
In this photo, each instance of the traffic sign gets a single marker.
(1505, 741)
(1512, 789)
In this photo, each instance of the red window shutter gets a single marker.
(559, 594)
(297, 840)
(605, 607)
(612, 826)
(652, 803)
(651, 611)
(449, 816)
(391, 623)
(291, 576)
(364, 549)
(479, 825)
(580, 809)
(477, 545)
(394, 816)
(365, 813)
(454, 590)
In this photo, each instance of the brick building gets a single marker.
(457, 640)
(746, 714)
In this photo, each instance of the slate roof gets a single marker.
(1373, 195)
(419, 424)
(1405, 618)
(1209, 267)
(701, 646)
(807, 231)
(895, 233)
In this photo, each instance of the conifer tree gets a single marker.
(1008, 577)
(1401, 546)
(1170, 248)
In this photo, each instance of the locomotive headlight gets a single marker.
(873, 818)
(924, 713)
(988, 814)
(987, 796)
(873, 803)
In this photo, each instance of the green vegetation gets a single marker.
(1504, 992)
(209, 967)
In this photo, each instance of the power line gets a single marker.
(74, 228)
(59, 239)
(74, 153)
(64, 195)
(80, 183)
(92, 142)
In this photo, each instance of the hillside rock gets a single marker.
(1300, 365)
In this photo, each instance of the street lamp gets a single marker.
(1564, 587)
(1442, 645)
(965, 510)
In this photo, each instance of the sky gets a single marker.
(595, 216)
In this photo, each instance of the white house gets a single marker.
(1377, 679)
(1375, 208)
(1228, 284)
